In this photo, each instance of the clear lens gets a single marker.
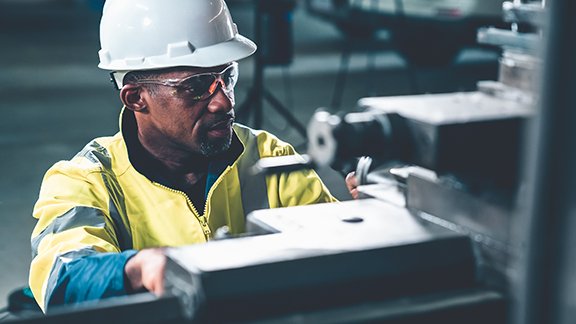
(202, 86)
(230, 76)
(198, 86)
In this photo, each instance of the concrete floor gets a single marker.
(53, 98)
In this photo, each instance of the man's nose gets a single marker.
(220, 102)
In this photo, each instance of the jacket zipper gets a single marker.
(201, 218)
(214, 185)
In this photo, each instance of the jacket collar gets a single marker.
(148, 166)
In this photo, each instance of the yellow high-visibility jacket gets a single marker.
(98, 202)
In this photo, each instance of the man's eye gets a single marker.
(189, 90)
(192, 93)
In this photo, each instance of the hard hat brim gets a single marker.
(235, 49)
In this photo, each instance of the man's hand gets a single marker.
(352, 184)
(146, 270)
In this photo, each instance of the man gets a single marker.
(179, 168)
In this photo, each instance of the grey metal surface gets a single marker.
(519, 71)
(382, 221)
(471, 306)
(485, 211)
(507, 38)
(500, 90)
(137, 308)
(447, 107)
(531, 13)
(485, 215)
(320, 253)
(471, 135)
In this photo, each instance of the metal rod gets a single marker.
(547, 270)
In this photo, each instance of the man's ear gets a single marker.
(132, 97)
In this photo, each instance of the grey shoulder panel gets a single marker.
(76, 217)
(96, 153)
(252, 186)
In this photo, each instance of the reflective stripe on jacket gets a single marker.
(98, 202)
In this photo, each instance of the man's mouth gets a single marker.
(224, 123)
(221, 128)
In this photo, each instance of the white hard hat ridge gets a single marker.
(153, 34)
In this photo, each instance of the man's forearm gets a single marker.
(91, 278)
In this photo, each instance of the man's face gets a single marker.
(178, 120)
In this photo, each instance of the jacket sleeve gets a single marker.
(303, 187)
(82, 279)
(74, 228)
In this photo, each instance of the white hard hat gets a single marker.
(154, 34)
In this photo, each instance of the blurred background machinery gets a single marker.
(431, 33)
(427, 32)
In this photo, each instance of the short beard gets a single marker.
(209, 149)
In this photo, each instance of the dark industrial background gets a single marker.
(54, 99)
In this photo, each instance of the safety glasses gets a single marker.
(202, 86)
